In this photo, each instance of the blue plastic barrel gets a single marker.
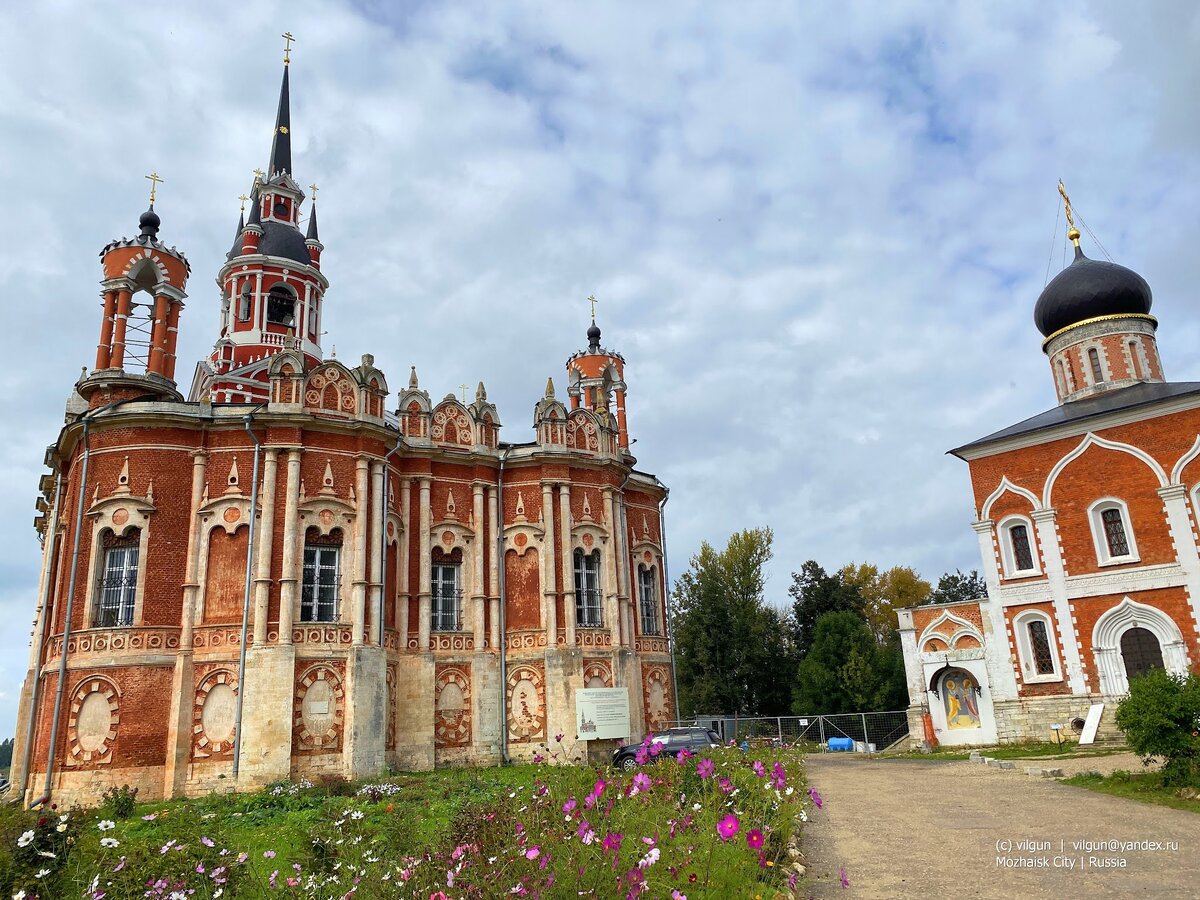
(842, 743)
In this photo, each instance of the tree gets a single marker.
(815, 593)
(883, 593)
(1161, 718)
(730, 647)
(6, 751)
(845, 670)
(955, 586)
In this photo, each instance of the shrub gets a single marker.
(120, 801)
(1161, 718)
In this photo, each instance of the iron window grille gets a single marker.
(322, 584)
(1022, 553)
(587, 590)
(1114, 532)
(118, 587)
(1039, 643)
(447, 598)
(646, 601)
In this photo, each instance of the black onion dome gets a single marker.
(593, 336)
(284, 241)
(149, 223)
(1088, 288)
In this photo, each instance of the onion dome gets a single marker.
(149, 223)
(593, 336)
(1088, 289)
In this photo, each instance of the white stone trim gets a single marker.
(139, 511)
(1177, 469)
(1100, 537)
(961, 627)
(1020, 626)
(1106, 642)
(1089, 441)
(1006, 485)
(1008, 553)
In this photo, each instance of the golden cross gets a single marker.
(313, 187)
(258, 174)
(463, 388)
(154, 180)
(287, 47)
(1072, 231)
(243, 198)
(592, 300)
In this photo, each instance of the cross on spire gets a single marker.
(1072, 231)
(287, 46)
(313, 187)
(243, 198)
(154, 182)
(592, 300)
(258, 176)
(463, 388)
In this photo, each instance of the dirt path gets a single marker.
(917, 828)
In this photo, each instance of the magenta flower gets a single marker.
(842, 875)
(725, 783)
(684, 755)
(705, 768)
(754, 839)
(641, 782)
(569, 807)
(612, 842)
(655, 749)
(642, 756)
(728, 827)
(532, 853)
(759, 769)
(816, 798)
(558, 738)
(599, 788)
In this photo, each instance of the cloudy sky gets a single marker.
(816, 231)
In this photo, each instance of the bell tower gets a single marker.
(143, 292)
(271, 283)
(596, 380)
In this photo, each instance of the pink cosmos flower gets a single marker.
(569, 807)
(728, 827)
(676, 895)
(816, 798)
(207, 842)
(842, 876)
(641, 782)
(558, 738)
(725, 783)
(754, 839)
(705, 768)
(268, 854)
(684, 755)
(599, 788)
(612, 842)
(759, 769)
(533, 853)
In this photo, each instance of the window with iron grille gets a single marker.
(587, 589)
(1114, 532)
(118, 584)
(646, 601)
(446, 597)
(1039, 644)
(1022, 553)
(322, 581)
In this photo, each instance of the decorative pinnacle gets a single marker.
(550, 388)
(154, 182)
(1072, 231)
(287, 46)
(258, 176)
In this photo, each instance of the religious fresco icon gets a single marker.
(959, 698)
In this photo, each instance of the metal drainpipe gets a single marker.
(621, 546)
(241, 692)
(662, 529)
(62, 665)
(40, 634)
(383, 537)
(503, 600)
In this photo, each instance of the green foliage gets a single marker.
(845, 670)
(6, 750)
(1161, 718)
(957, 585)
(815, 593)
(883, 593)
(729, 645)
(119, 801)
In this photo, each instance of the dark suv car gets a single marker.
(670, 742)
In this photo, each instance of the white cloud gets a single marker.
(816, 239)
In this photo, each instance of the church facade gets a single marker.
(1086, 517)
(286, 575)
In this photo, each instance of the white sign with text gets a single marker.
(602, 713)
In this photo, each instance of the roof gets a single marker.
(1079, 410)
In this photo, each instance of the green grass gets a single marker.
(476, 827)
(1145, 787)
(1027, 750)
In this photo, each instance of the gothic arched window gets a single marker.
(1141, 652)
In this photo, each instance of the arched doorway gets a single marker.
(1140, 651)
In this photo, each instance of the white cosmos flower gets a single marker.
(24, 841)
(107, 825)
(42, 873)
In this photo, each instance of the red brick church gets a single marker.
(1087, 517)
(293, 572)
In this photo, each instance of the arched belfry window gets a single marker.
(1094, 362)
(281, 307)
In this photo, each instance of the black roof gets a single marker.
(285, 241)
(281, 142)
(1089, 288)
(1099, 405)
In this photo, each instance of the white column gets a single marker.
(191, 585)
(403, 557)
(1044, 521)
(549, 594)
(265, 539)
(493, 554)
(478, 597)
(568, 573)
(425, 564)
(378, 515)
(612, 609)
(999, 663)
(290, 575)
(362, 514)
(1174, 498)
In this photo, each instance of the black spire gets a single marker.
(312, 225)
(281, 144)
(255, 207)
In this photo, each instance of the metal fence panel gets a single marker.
(869, 730)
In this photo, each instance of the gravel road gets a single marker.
(928, 828)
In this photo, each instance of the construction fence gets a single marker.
(870, 731)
